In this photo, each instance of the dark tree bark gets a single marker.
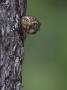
(11, 45)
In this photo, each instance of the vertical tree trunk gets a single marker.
(11, 45)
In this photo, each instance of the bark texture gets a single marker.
(11, 45)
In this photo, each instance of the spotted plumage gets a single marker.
(30, 24)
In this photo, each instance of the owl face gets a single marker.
(30, 24)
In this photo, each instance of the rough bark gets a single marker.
(11, 45)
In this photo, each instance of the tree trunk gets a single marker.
(11, 45)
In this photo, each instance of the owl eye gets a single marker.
(35, 25)
(25, 20)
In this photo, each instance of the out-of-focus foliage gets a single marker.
(45, 64)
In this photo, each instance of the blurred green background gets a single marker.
(45, 59)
